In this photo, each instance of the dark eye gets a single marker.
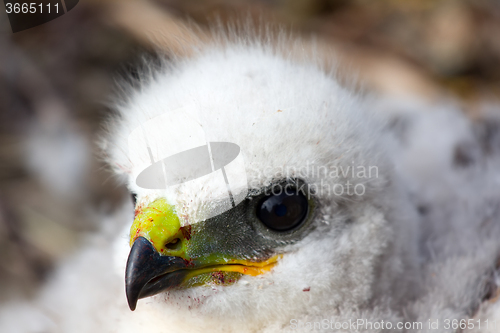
(283, 211)
(134, 198)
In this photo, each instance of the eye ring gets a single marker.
(285, 210)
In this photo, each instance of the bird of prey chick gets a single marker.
(270, 198)
(325, 225)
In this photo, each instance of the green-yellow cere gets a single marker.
(159, 224)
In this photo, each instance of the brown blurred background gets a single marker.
(56, 80)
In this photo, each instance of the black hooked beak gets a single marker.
(149, 273)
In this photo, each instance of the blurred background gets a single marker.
(57, 80)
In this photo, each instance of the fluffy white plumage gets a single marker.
(420, 243)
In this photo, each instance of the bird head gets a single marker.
(296, 218)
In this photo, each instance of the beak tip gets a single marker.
(133, 285)
(132, 302)
(132, 297)
(145, 264)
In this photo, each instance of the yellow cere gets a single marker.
(158, 223)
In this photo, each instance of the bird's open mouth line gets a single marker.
(252, 269)
(149, 273)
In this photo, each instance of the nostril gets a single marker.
(174, 244)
